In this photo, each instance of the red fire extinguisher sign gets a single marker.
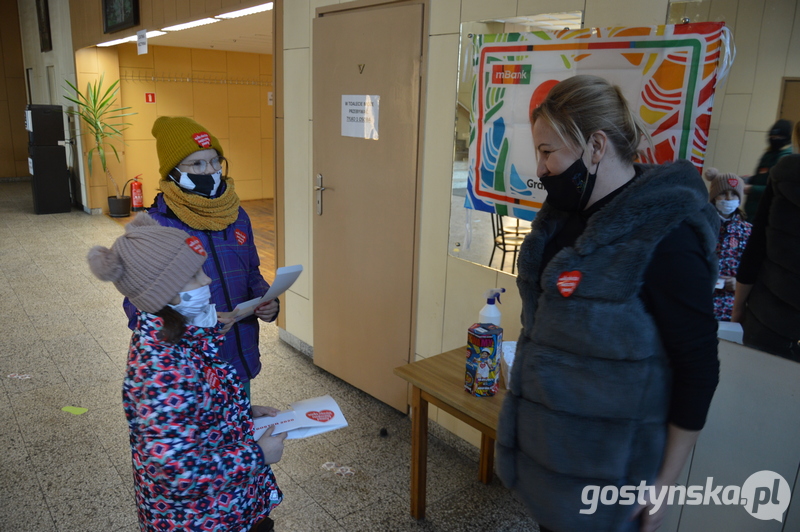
(149, 97)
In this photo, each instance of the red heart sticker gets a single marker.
(568, 282)
(202, 139)
(733, 182)
(241, 238)
(322, 416)
(196, 245)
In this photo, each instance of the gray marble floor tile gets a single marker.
(313, 517)
(22, 503)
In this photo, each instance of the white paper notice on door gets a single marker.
(360, 116)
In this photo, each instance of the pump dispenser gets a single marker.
(490, 313)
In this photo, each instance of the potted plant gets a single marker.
(104, 122)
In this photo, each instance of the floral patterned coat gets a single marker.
(196, 465)
(733, 235)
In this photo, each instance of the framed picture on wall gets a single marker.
(120, 14)
(43, 16)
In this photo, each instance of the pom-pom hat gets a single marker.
(177, 137)
(149, 264)
(723, 182)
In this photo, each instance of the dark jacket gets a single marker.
(590, 388)
(771, 260)
(759, 179)
(233, 266)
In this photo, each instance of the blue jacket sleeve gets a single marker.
(130, 311)
(257, 285)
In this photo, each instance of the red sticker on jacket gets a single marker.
(323, 415)
(568, 282)
(733, 182)
(212, 378)
(202, 139)
(196, 245)
(241, 238)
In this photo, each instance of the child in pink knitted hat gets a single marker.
(196, 464)
(725, 193)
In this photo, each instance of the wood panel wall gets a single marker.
(87, 18)
(13, 98)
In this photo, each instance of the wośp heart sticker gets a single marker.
(321, 416)
(568, 282)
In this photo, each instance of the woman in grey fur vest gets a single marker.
(617, 362)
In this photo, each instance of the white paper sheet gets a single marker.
(305, 418)
(284, 278)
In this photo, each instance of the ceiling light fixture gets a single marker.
(247, 11)
(186, 26)
(132, 38)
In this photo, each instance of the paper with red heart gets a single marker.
(303, 419)
(568, 282)
(323, 416)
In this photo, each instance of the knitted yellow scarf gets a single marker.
(205, 214)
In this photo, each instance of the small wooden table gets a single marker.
(439, 380)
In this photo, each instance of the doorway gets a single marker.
(365, 237)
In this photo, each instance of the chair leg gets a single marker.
(491, 257)
(514, 264)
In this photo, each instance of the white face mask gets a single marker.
(726, 207)
(203, 184)
(196, 306)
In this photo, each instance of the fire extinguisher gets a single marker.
(136, 194)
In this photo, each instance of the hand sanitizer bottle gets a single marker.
(490, 313)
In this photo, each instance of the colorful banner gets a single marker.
(667, 73)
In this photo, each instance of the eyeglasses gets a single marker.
(199, 166)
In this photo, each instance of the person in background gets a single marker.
(196, 465)
(725, 193)
(779, 138)
(617, 361)
(767, 301)
(199, 197)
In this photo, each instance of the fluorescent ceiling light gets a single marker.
(247, 11)
(132, 38)
(201, 22)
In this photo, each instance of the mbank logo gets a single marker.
(511, 74)
(764, 495)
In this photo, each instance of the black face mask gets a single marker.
(570, 190)
(201, 184)
(776, 143)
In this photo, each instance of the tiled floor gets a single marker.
(65, 333)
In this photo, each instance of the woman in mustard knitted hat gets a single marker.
(193, 468)
(198, 197)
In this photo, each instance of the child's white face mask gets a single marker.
(196, 306)
(726, 207)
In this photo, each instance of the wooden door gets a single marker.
(364, 240)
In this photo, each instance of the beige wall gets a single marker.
(227, 92)
(450, 289)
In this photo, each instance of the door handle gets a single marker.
(319, 188)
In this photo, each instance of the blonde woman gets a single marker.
(617, 362)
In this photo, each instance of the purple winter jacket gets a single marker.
(232, 265)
